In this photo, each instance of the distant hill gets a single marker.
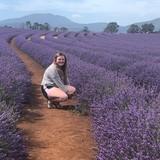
(155, 22)
(53, 20)
(61, 21)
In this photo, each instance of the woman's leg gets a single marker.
(57, 94)
(71, 90)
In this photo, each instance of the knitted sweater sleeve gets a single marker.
(55, 78)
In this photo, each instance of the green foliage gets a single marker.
(63, 29)
(4, 145)
(37, 26)
(112, 27)
(85, 29)
(4, 97)
(134, 29)
(147, 28)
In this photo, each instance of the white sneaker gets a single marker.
(51, 105)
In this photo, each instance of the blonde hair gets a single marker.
(64, 67)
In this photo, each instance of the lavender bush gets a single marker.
(119, 53)
(127, 127)
(11, 141)
(125, 118)
(15, 86)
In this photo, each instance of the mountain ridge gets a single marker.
(62, 21)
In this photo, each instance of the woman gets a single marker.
(55, 81)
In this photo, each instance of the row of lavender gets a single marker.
(141, 49)
(121, 45)
(137, 56)
(125, 118)
(14, 90)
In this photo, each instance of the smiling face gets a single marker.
(60, 60)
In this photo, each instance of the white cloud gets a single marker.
(120, 10)
(76, 16)
(90, 6)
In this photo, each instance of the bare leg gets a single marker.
(71, 91)
(57, 94)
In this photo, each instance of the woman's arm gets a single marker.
(58, 82)
(55, 78)
(68, 82)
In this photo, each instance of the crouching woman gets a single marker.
(55, 83)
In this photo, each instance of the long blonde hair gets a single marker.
(64, 67)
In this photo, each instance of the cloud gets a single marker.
(120, 10)
(76, 16)
(88, 6)
(137, 7)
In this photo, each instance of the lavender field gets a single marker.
(15, 86)
(116, 74)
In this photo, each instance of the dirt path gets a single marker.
(53, 134)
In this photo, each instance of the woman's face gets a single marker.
(60, 60)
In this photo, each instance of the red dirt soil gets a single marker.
(53, 134)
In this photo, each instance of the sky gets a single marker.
(124, 12)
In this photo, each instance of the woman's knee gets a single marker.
(71, 89)
(63, 97)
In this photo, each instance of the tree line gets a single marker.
(45, 26)
(133, 28)
(111, 27)
(37, 26)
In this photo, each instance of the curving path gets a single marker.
(53, 134)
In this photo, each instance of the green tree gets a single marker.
(147, 28)
(46, 26)
(28, 24)
(63, 29)
(112, 27)
(56, 29)
(133, 29)
(41, 26)
(85, 29)
(35, 25)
